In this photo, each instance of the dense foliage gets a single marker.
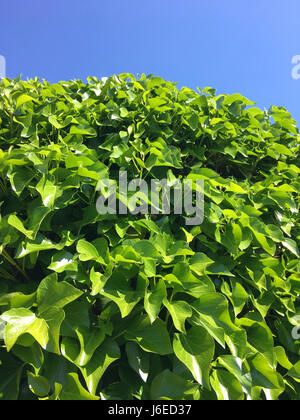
(144, 307)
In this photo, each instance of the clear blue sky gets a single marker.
(233, 45)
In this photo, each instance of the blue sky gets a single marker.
(233, 45)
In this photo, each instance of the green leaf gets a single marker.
(90, 251)
(21, 321)
(263, 375)
(282, 359)
(74, 391)
(39, 385)
(196, 350)
(87, 251)
(20, 178)
(44, 329)
(22, 99)
(237, 97)
(99, 280)
(167, 385)
(213, 315)
(36, 218)
(89, 340)
(15, 222)
(53, 293)
(63, 261)
(83, 129)
(32, 355)
(39, 244)
(48, 191)
(261, 338)
(118, 290)
(151, 337)
(179, 311)
(10, 376)
(219, 270)
(238, 295)
(281, 149)
(226, 386)
(291, 245)
(18, 300)
(54, 122)
(138, 360)
(199, 262)
(154, 299)
(56, 369)
(235, 366)
(294, 372)
(103, 357)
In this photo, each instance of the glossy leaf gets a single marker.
(52, 293)
(151, 337)
(196, 350)
(39, 385)
(167, 385)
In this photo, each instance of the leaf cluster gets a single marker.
(142, 306)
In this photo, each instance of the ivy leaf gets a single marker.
(44, 329)
(167, 385)
(53, 293)
(83, 129)
(196, 350)
(89, 341)
(98, 250)
(118, 290)
(22, 99)
(39, 385)
(32, 355)
(179, 311)
(21, 321)
(17, 224)
(226, 386)
(138, 360)
(263, 375)
(87, 251)
(294, 372)
(213, 315)
(154, 299)
(199, 262)
(235, 366)
(151, 337)
(291, 245)
(48, 191)
(103, 357)
(74, 391)
(63, 261)
(10, 376)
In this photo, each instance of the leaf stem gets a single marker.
(14, 264)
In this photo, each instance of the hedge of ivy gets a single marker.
(143, 306)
